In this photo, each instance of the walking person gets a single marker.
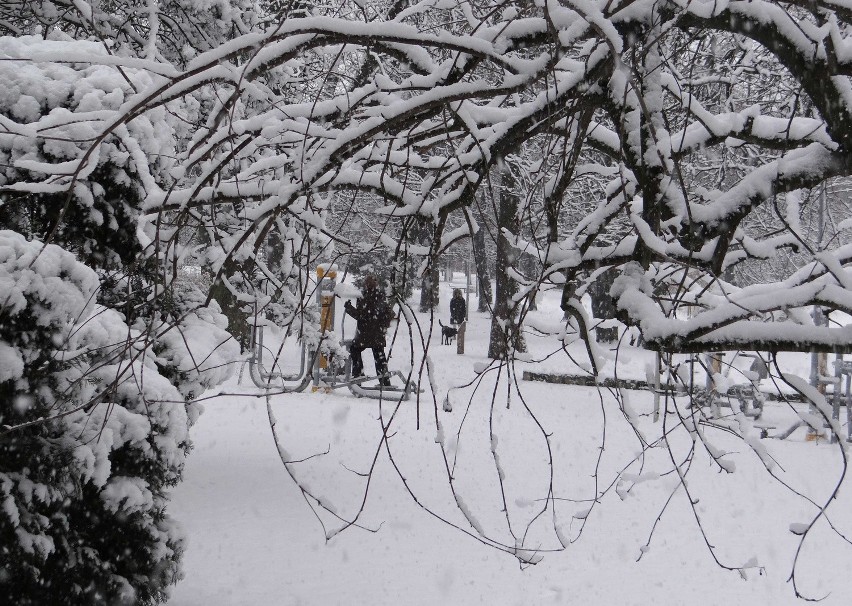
(373, 315)
(458, 307)
(458, 317)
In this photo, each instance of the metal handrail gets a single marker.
(265, 379)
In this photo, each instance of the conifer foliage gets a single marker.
(99, 358)
(137, 138)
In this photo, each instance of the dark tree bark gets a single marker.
(530, 264)
(482, 278)
(238, 320)
(505, 331)
(238, 324)
(603, 307)
(429, 289)
(430, 280)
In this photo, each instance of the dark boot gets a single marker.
(381, 366)
(357, 361)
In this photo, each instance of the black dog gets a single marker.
(448, 333)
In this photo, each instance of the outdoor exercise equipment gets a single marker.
(746, 394)
(840, 397)
(274, 378)
(323, 372)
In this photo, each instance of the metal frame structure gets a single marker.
(842, 374)
(747, 395)
(841, 396)
(269, 379)
(315, 368)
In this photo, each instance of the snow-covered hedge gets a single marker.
(71, 162)
(99, 360)
(92, 433)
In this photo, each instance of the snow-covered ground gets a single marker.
(254, 538)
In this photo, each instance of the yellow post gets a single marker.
(326, 277)
(326, 303)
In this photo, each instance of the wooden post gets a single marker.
(714, 367)
(657, 387)
(460, 338)
(819, 363)
(326, 280)
(818, 360)
(466, 290)
(822, 368)
(714, 364)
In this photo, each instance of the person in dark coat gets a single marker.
(458, 307)
(372, 315)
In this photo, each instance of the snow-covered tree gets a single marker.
(667, 126)
(170, 30)
(94, 432)
(102, 352)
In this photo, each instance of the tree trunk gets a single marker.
(482, 278)
(430, 280)
(429, 289)
(505, 332)
(238, 320)
(650, 171)
(531, 272)
(603, 307)
(238, 324)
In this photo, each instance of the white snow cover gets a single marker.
(109, 392)
(599, 540)
(59, 108)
